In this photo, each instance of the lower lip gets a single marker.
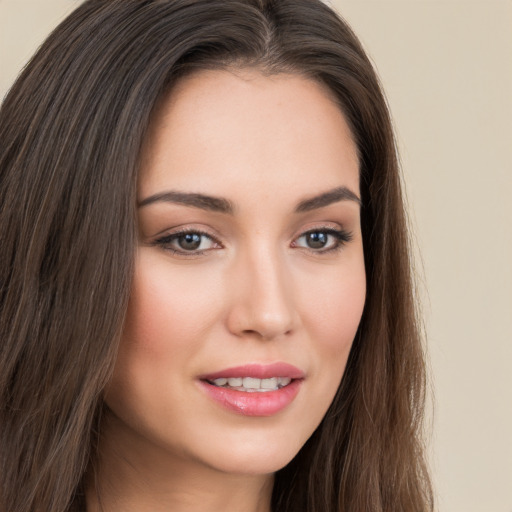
(257, 403)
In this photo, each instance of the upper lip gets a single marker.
(257, 371)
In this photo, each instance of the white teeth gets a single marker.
(283, 381)
(269, 383)
(250, 384)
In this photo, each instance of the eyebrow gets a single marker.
(204, 202)
(222, 205)
(327, 198)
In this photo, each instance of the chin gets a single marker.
(260, 456)
(264, 464)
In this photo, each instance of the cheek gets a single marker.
(164, 330)
(168, 311)
(332, 317)
(335, 309)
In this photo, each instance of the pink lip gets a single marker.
(265, 403)
(257, 371)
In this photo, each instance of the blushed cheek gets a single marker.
(336, 313)
(160, 334)
(167, 311)
(333, 319)
(149, 321)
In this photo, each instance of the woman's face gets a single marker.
(249, 274)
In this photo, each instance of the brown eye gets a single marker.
(323, 240)
(189, 241)
(316, 239)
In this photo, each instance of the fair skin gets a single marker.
(267, 270)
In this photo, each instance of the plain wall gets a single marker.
(447, 69)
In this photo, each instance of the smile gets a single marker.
(251, 384)
(254, 389)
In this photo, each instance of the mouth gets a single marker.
(254, 390)
(251, 384)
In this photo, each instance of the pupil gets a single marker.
(317, 240)
(190, 241)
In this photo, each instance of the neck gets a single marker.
(128, 480)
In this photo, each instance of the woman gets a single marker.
(206, 296)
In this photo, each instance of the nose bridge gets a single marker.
(264, 303)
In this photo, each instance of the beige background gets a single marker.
(447, 68)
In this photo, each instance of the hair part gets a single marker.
(72, 130)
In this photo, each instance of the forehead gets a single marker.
(241, 126)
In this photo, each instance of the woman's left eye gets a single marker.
(187, 242)
(323, 240)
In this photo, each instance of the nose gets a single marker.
(262, 302)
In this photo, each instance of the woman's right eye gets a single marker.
(190, 242)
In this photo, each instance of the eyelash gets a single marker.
(341, 237)
(166, 241)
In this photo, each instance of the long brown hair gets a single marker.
(71, 131)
